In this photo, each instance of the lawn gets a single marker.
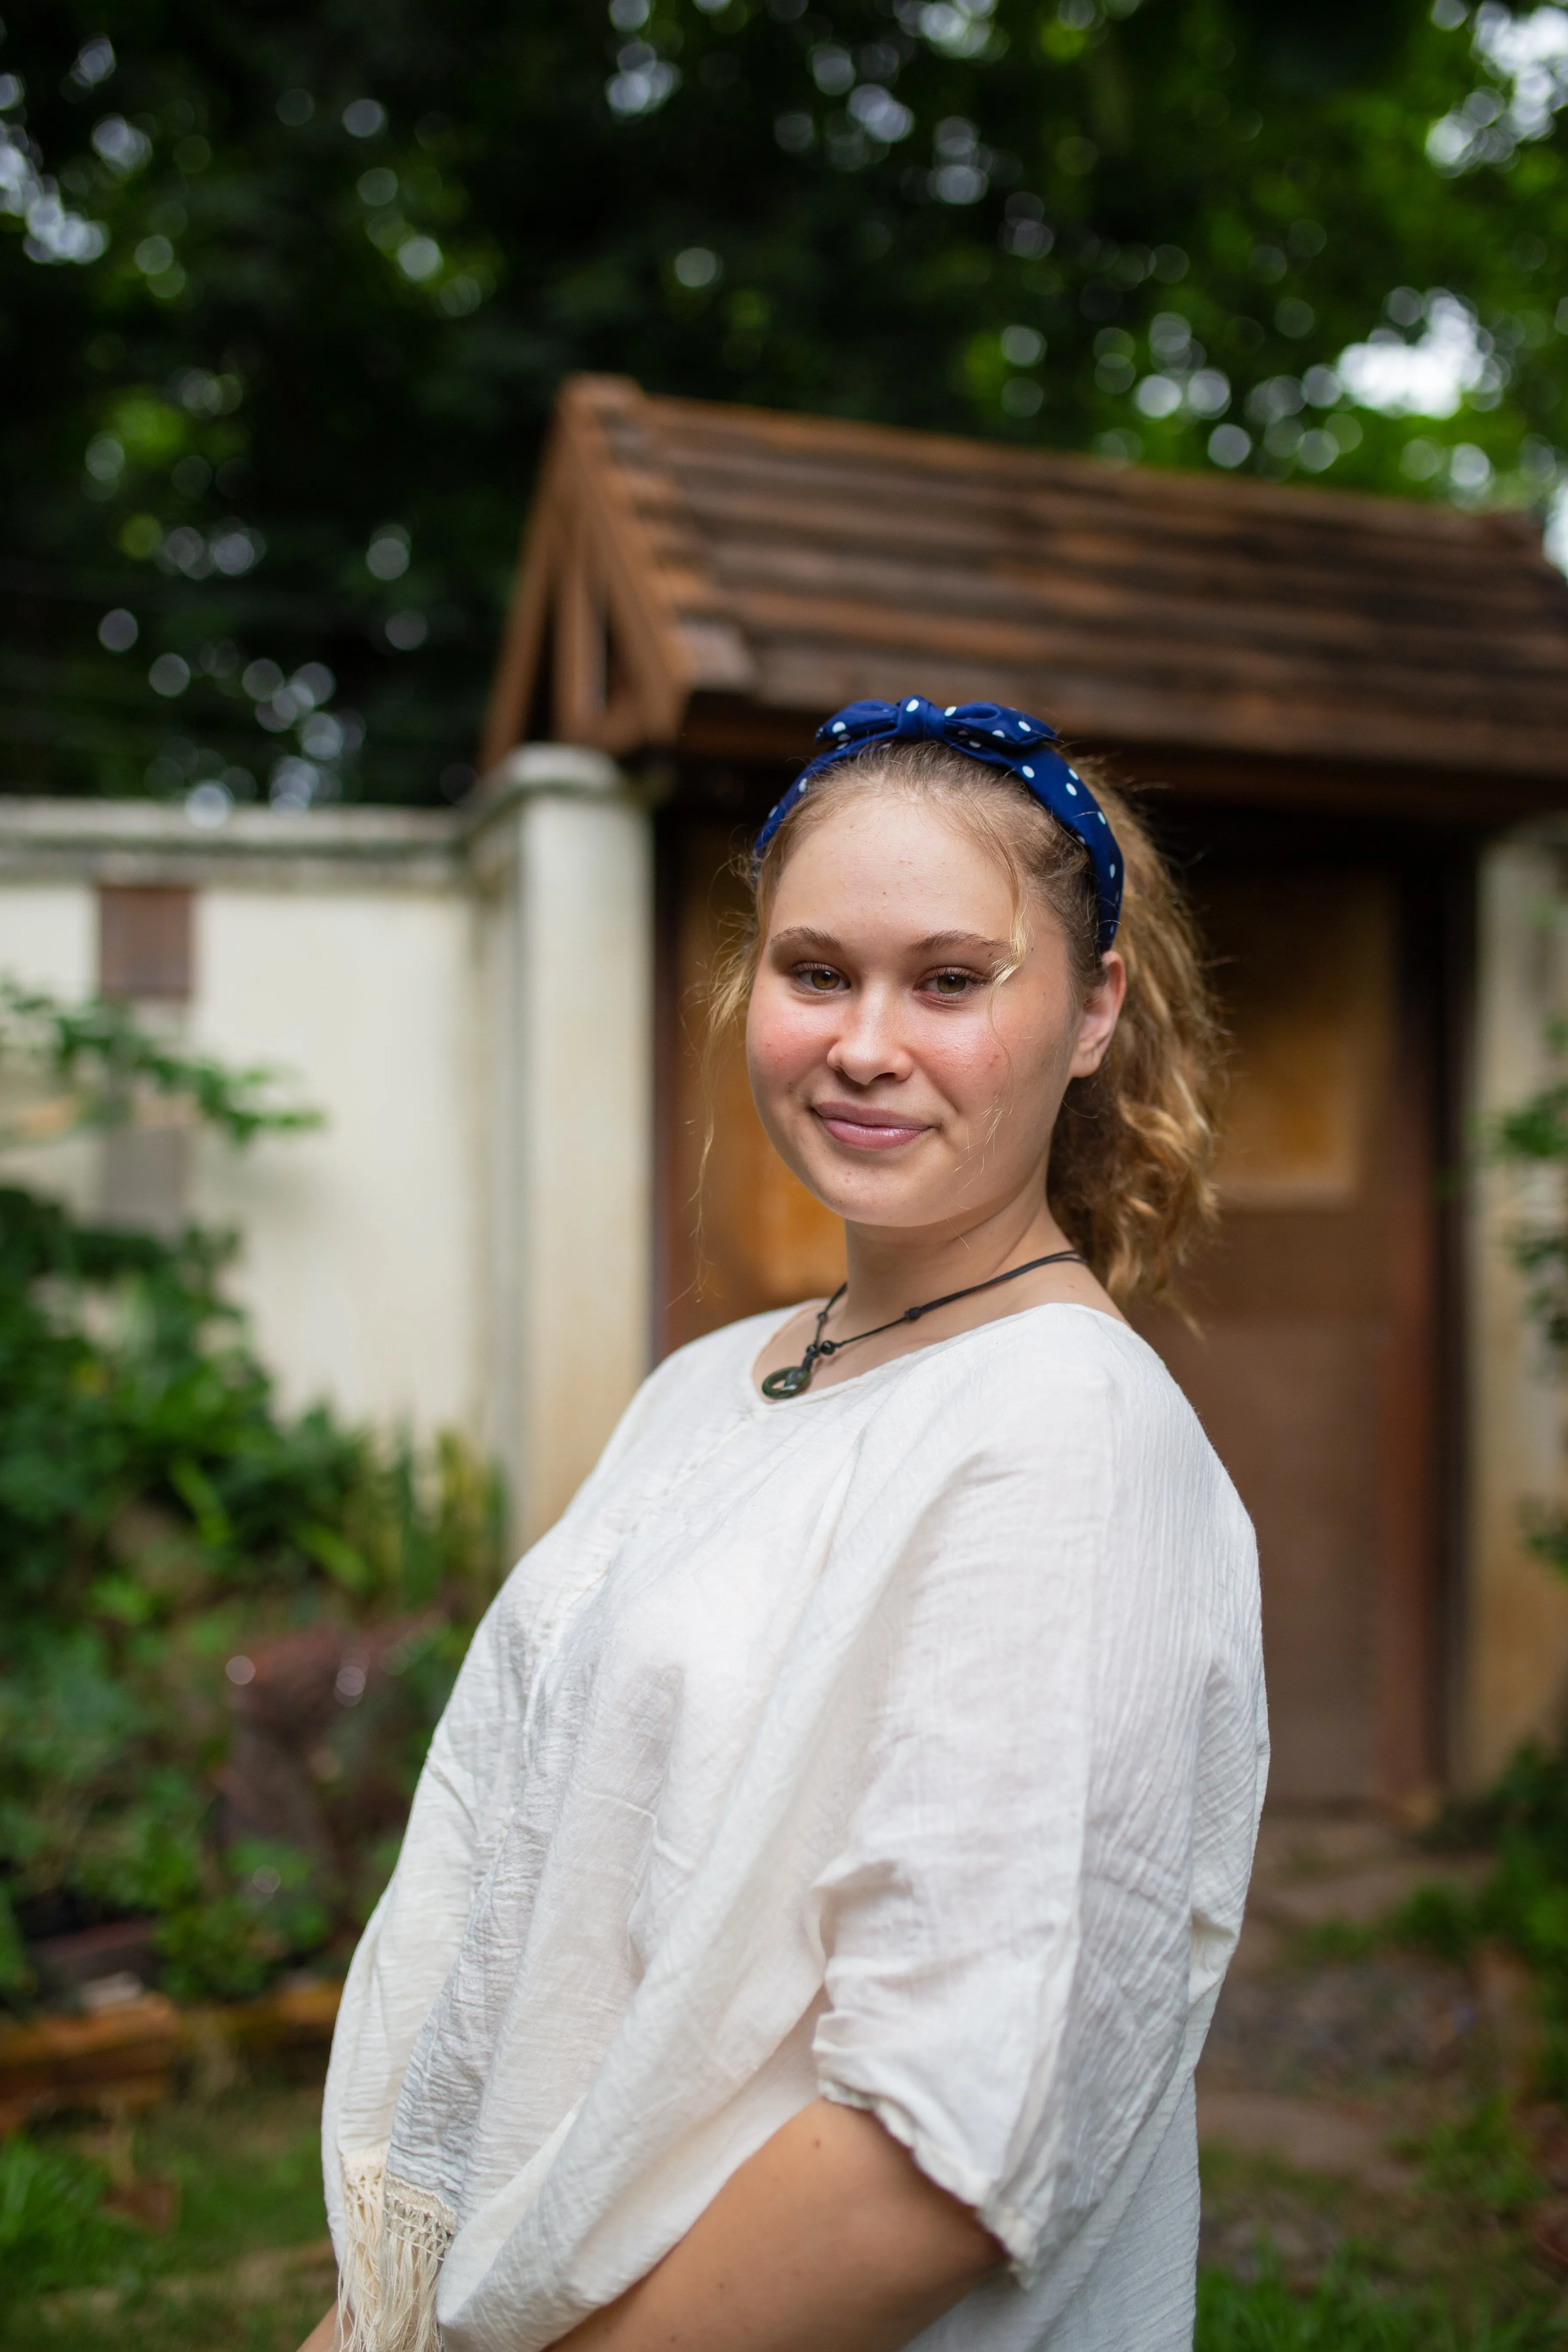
(1347, 2311)
(1299, 2262)
(240, 2258)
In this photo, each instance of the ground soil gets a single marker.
(1358, 2096)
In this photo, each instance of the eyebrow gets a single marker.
(937, 941)
(802, 936)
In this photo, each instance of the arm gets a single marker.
(830, 2239)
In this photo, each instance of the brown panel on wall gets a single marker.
(144, 956)
(144, 942)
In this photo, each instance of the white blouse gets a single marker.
(901, 1744)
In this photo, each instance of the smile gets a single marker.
(862, 1130)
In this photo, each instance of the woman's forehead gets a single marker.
(872, 847)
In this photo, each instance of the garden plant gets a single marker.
(178, 1556)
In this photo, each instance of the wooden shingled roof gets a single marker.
(716, 579)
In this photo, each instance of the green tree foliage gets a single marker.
(287, 294)
(160, 1521)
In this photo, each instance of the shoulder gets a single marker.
(1073, 1360)
(1032, 1393)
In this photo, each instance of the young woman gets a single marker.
(821, 1880)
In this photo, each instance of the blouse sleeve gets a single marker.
(1008, 1924)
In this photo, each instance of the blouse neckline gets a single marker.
(776, 1406)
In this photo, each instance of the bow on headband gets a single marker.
(1000, 737)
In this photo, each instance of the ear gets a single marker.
(1102, 1010)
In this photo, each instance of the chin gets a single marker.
(865, 1202)
(865, 1189)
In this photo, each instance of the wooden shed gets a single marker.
(1336, 702)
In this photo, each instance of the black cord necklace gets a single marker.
(790, 1380)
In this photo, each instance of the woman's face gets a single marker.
(903, 1086)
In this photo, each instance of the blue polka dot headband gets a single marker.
(999, 738)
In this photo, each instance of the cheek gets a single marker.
(782, 1039)
(967, 1054)
(1006, 1054)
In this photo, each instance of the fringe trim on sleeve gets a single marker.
(396, 2237)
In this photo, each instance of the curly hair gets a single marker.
(1130, 1178)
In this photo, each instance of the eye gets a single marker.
(819, 978)
(950, 986)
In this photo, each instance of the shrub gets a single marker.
(229, 1631)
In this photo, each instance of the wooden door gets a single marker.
(1309, 1346)
(1311, 1356)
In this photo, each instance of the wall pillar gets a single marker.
(1514, 1640)
(562, 852)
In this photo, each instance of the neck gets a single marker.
(890, 1269)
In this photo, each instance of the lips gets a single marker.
(861, 1128)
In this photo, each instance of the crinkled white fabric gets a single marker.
(905, 1743)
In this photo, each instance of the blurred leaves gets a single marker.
(183, 1571)
(106, 1063)
(1533, 1138)
(288, 418)
(1522, 1905)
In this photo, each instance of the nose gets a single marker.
(868, 1046)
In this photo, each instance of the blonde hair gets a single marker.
(1131, 1177)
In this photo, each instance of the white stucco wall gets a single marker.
(340, 952)
(48, 940)
(567, 1022)
(467, 1241)
(48, 934)
(361, 1242)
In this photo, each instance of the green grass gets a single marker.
(50, 2221)
(237, 2268)
(1307, 2262)
(1346, 2311)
